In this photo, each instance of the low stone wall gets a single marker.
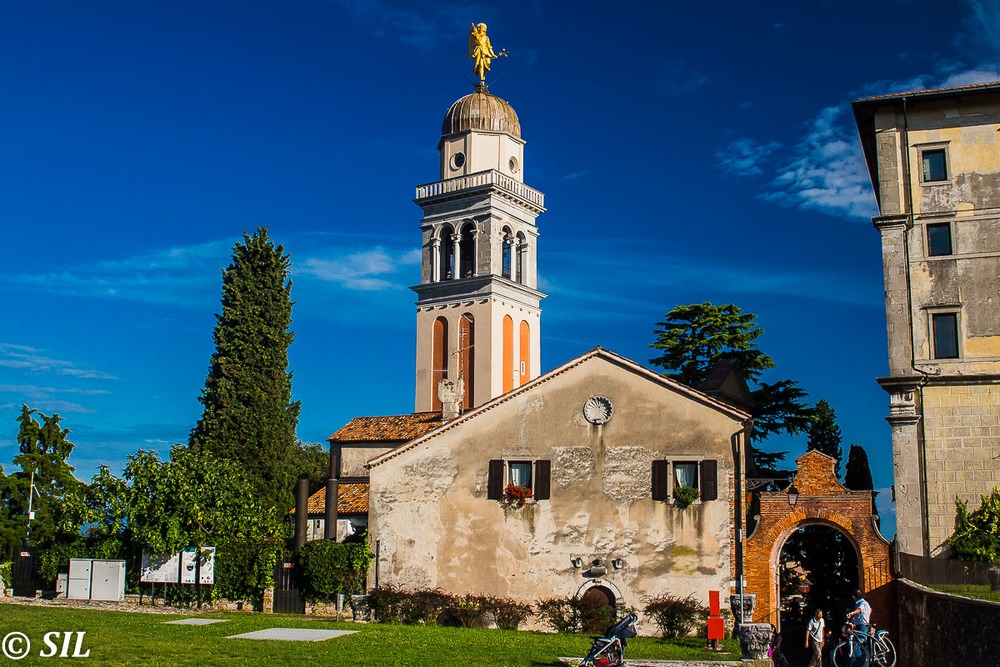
(942, 630)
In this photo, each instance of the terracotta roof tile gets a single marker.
(352, 498)
(390, 428)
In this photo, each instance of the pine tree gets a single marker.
(824, 434)
(693, 338)
(43, 450)
(249, 417)
(858, 475)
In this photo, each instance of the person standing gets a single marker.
(815, 633)
(863, 611)
(860, 616)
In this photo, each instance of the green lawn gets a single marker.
(977, 592)
(122, 638)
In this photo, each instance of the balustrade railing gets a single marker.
(479, 179)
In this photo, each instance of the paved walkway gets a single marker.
(573, 662)
(103, 606)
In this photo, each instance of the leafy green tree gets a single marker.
(858, 475)
(824, 434)
(977, 533)
(693, 338)
(196, 499)
(44, 448)
(313, 462)
(249, 416)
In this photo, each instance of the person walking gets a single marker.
(815, 633)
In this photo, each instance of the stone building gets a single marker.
(934, 161)
(600, 442)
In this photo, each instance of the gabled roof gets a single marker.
(352, 498)
(389, 428)
(596, 353)
(726, 382)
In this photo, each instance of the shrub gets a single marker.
(330, 568)
(509, 614)
(674, 616)
(471, 610)
(6, 575)
(392, 605)
(561, 614)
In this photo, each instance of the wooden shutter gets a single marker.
(494, 482)
(709, 480)
(543, 475)
(661, 480)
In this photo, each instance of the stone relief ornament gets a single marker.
(598, 409)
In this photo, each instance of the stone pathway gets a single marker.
(573, 662)
(102, 606)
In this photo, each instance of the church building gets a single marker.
(599, 478)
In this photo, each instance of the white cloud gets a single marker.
(29, 359)
(369, 270)
(178, 275)
(744, 157)
(827, 171)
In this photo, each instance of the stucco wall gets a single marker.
(436, 528)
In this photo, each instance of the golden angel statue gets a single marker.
(481, 50)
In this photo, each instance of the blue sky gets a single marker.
(688, 152)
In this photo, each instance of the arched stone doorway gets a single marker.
(599, 601)
(818, 499)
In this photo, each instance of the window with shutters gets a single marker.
(535, 475)
(669, 475)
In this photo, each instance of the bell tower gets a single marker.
(478, 306)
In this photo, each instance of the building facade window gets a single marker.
(701, 475)
(944, 332)
(935, 165)
(686, 474)
(939, 239)
(536, 475)
(519, 473)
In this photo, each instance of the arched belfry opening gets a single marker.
(467, 251)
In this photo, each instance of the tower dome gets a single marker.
(481, 111)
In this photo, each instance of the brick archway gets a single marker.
(822, 501)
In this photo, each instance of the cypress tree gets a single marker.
(824, 433)
(249, 416)
(858, 476)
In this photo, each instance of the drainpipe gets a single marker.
(738, 439)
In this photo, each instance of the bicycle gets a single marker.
(860, 648)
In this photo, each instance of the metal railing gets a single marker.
(479, 179)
